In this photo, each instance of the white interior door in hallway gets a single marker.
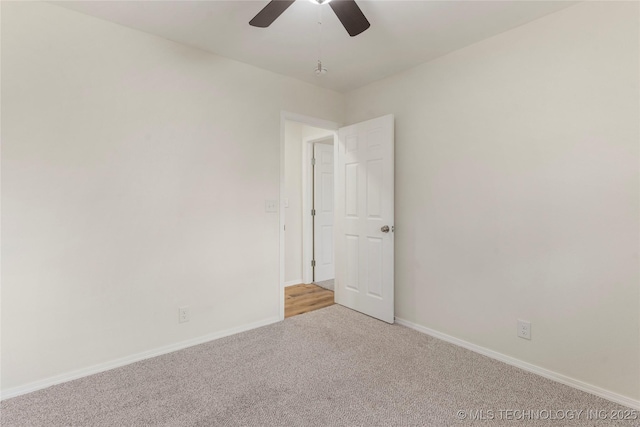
(323, 200)
(364, 219)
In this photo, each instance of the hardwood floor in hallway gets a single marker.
(299, 299)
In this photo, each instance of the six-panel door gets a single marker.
(364, 210)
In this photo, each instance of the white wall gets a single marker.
(295, 135)
(135, 174)
(310, 132)
(517, 192)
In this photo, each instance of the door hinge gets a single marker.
(313, 212)
(313, 263)
(313, 161)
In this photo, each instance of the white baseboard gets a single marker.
(293, 282)
(563, 379)
(101, 367)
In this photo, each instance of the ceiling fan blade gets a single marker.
(270, 13)
(350, 15)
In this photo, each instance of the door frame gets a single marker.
(310, 121)
(307, 203)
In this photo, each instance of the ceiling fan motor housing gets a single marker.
(347, 12)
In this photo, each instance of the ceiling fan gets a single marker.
(347, 11)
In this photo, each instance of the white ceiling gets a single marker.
(403, 34)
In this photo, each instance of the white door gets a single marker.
(364, 218)
(323, 205)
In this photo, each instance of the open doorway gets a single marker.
(307, 235)
(363, 194)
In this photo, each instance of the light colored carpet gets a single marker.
(327, 284)
(328, 367)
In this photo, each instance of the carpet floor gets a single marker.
(332, 367)
(327, 284)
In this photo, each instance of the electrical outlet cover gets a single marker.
(183, 314)
(524, 329)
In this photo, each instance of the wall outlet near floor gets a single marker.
(524, 329)
(183, 314)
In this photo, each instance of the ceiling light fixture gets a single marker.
(319, 1)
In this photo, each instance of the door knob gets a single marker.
(385, 229)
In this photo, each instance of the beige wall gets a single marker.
(134, 177)
(517, 192)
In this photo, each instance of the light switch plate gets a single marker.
(271, 206)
